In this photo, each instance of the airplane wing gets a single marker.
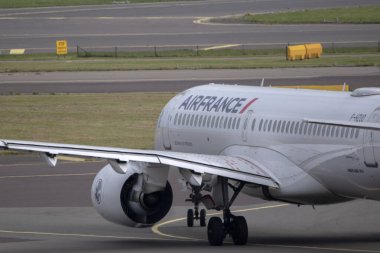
(361, 125)
(236, 168)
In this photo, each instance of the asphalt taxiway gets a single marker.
(173, 25)
(48, 210)
(179, 80)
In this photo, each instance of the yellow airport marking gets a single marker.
(49, 175)
(17, 51)
(156, 228)
(82, 235)
(220, 47)
(317, 87)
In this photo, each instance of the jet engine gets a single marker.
(135, 198)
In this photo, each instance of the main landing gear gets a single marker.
(195, 214)
(218, 228)
(234, 226)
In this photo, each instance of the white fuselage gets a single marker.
(268, 124)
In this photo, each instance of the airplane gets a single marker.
(304, 147)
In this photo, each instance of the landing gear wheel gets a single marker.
(202, 218)
(190, 217)
(239, 230)
(215, 231)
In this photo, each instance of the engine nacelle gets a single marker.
(130, 199)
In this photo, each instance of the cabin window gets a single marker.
(342, 132)
(187, 119)
(301, 128)
(319, 130)
(352, 133)
(175, 119)
(238, 123)
(328, 130)
(253, 124)
(315, 126)
(269, 125)
(225, 122)
(233, 123)
(292, 127)
(337, 131)
(196, 120)
(192, 120)
(279, 126)
(310, 127)
(200, 120)
(296, 128)
(357, 133)
(184, 119)
(323, 130)
(283, 126)
(265, 125)
(217, 122)
(287, 127)
(306, 128)
(229, 122)
(274, 126)
(204, 121)
(347, 132)
(261, 124)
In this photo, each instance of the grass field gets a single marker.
(120, 120)
(185, 63)
(351, 15)
(48, 3)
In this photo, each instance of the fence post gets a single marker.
(333, 47)
(378, 46)
(197, 50)
(77, 50)
(155, 51)
(115, 52)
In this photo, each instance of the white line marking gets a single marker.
(220, 47)
(155, 229)
(82, 235)
(49, 175)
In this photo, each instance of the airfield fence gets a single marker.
(218, 50)
(204, 49)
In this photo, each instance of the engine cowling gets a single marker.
(128, 199)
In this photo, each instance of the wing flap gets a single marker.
(231, 167)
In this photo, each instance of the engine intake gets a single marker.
(130, 199)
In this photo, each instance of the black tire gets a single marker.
(239, 231)
(190, 217)
(215, 231)
(202, 218)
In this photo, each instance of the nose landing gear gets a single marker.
(195, 197)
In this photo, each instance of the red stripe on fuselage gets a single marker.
(247, 105)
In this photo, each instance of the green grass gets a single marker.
(48, 3)
(186, 63)
(120, 120)
(351, 15)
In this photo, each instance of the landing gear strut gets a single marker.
(195, 197)
(235, 226)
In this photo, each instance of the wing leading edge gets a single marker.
(237, 168)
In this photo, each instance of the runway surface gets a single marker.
(48, 210)
(179, 80)
(169, 24)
